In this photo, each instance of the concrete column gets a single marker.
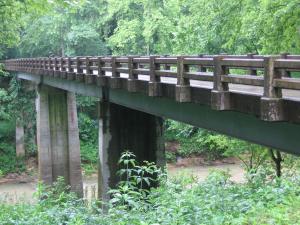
(20, 145)
(120, 129)
(58, 137)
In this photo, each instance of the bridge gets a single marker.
(252, 97)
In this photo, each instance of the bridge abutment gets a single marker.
(121, 129)
(58, 137)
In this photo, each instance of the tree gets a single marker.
(277, 159)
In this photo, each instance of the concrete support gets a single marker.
(183, 89)
(58, 137)
(271, 103)
(220, 95)
(120, 129)
(20, 145)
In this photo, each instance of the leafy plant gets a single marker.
(136, 181)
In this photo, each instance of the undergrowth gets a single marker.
(180, 200)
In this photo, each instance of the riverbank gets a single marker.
(21, 187)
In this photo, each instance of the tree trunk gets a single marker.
(277, 159)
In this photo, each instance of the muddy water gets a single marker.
(13, 192)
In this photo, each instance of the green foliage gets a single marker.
(88, 152)
(89, 157)
(176, 26)
(17, 104)
(8, 160)
(88, 128)
(213, 145)
(170, 157)
(7, 130)
(194, 141)
(63, 30)
(252, 155)
(57, 195)
(215, 201)
(135, 183)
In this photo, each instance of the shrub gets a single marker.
(9, 163)
(216, 200)
(196, 141)
(170, 157)
(88, 128)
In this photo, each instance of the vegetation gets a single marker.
(180, 200)
(30, 28)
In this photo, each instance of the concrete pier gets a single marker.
(20, 144)
(121, 129)
(58, 137)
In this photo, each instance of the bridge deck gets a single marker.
(244, 106)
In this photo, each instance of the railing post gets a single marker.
(50, 71)
(154, 84)
(166, 66)
(220, 95)
(79, 70)
(32, 66)
(88, 78)
(39, 66)
(283, 72)
(25, 64)
(271, 103)
(183, 88)
(56, 72)
(101, 80)
(44, 67)
(252, 72)
(115, 80)
(70, 74)
(63, 72)
(132, 77)
(201, 68)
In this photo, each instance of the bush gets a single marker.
(9, 163)
(89, 157)
(216, 200)
(170, 157)
(88, 153)
(196, 141)
(88, 128)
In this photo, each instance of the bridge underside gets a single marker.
(243, 122)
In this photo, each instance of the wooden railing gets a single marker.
(273, 73)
